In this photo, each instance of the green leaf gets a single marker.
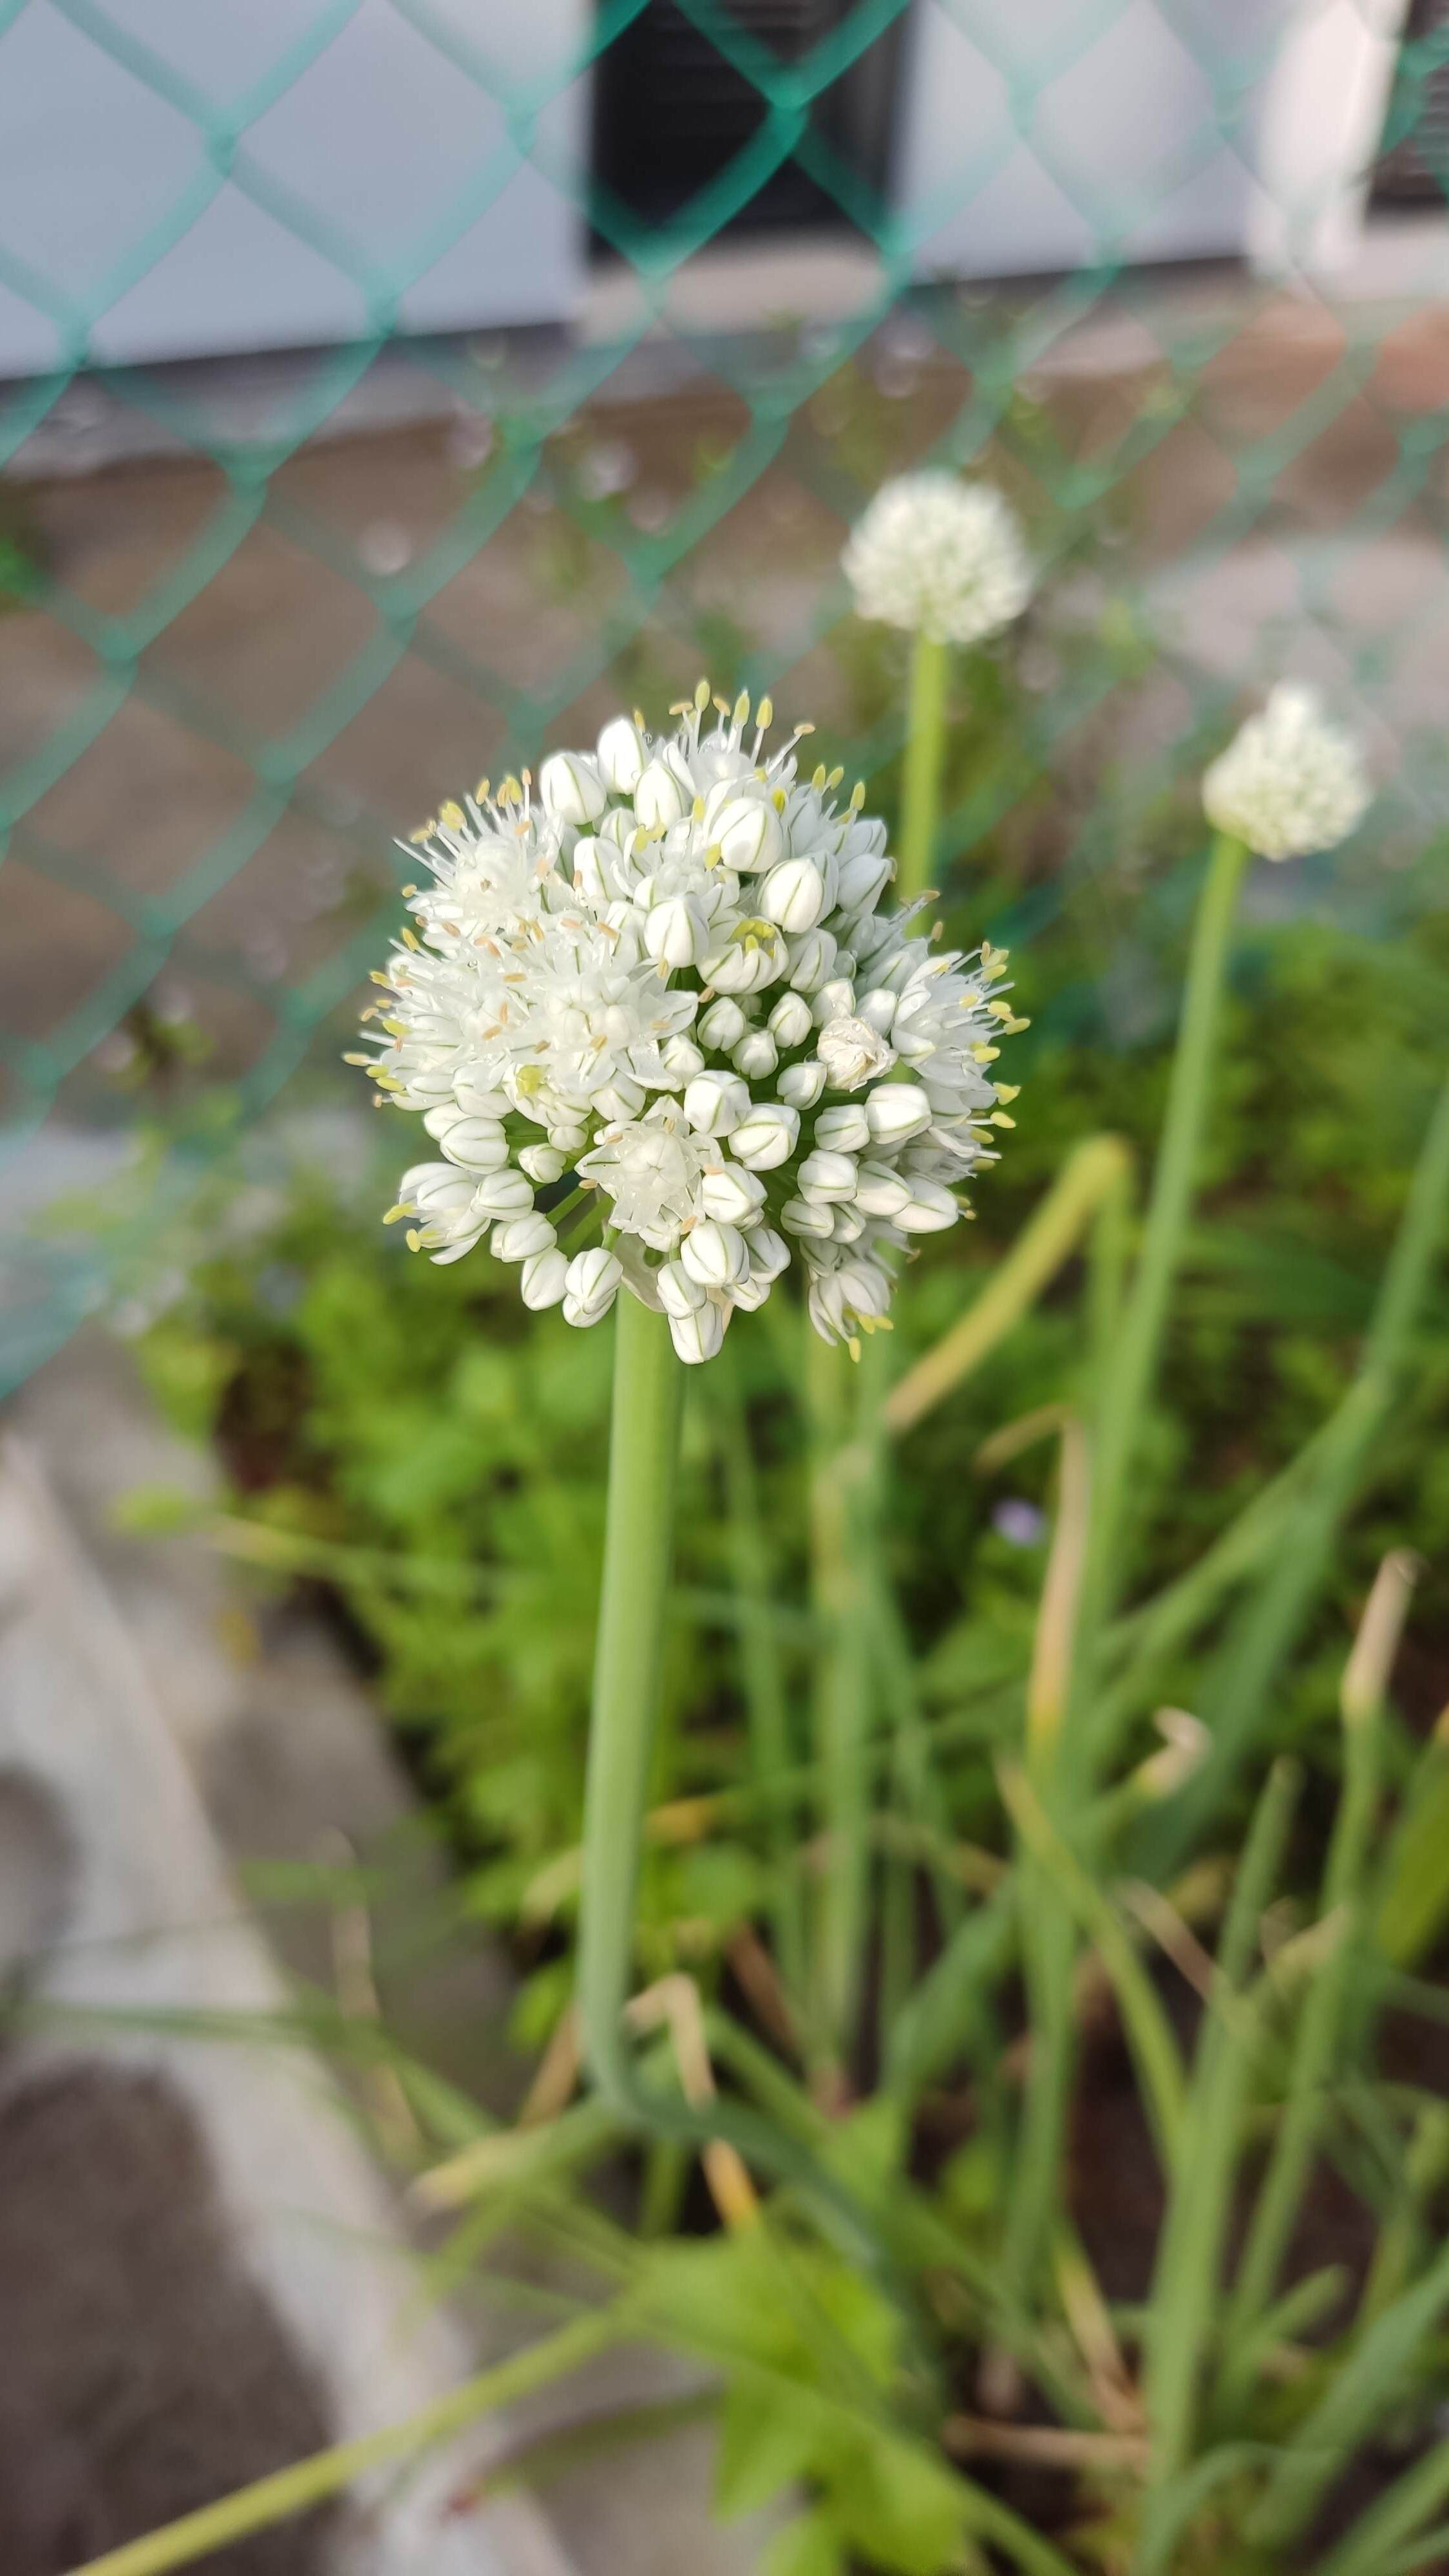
(808, 2546)
(763, 2447)
(899, 2505)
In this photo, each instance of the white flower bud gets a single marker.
(733, 1194)
(834, 1000)
(880, 1191)
(543, 1163)
(812, 960)
(790, 1022)
(808, 1217)
(769, 1254)
(852, 1052)
(714, 1254)
(793, 894)
(845, 1130)
(749, 1294)
(571, 788)
(847, 1223)
(591, 1285)
(678, 1293)
(896, 1110)
(829, 1176)
(619, 828)
(699, 1335)
(749, 834)
(478, 1098)
(753, 956)
(621, 755)
(659, 799)
(504, 1193)
(930, 1209)
(476, 1144)
(756, 1056)
(716, 1102)
(681, 1059)
(723, 1024)
(1289, 782)
(674, 931)
(544, 1279)
(522, 1238)
(620, 1099)
(568, 1134)
(801, 1084)
(766, 1136)
(862, 881)
(878, 1006)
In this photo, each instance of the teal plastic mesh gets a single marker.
(321, 594)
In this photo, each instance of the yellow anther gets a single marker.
(817, 775)
(483, 790)
(777, 799)
(1008, 1091)
(414, 1239)
(701, 695)
(764, 714)
(451, 816)
(402, 1209)
(357, 1059)
(411, 940)
(833, 781)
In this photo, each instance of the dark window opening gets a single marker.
(1413, 168)
(670, 113)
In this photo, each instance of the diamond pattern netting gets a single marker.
(232, 669)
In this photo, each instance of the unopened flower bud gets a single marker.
(679, 1294)
(659, 799)
(749, 834)
(801, 1084)
(522, 1238)
(793, 894)
(571, 788)
(681, 1058)
(845, 1130)
(716, 1102)
(861, 880)
(812, 960)
(591, 1285)
(544, 1279)
(723, 1024)
(930, 1210)
(829, 1176)
(479, 1099)
(753, 956)
(733, 1194)
(543, 1163)
(505, 1193)
(476, 1144)
(882, 1191)
(769, 1255)
(698, 1336)
(714, 1254)
(896, 1110)
(879, 1007)
(594, 863)
(808, 1217)
(621, 755)
(790, 1022)
(756, 1056)
(674, 932)
(766, 1135)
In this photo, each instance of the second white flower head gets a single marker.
(940, 557)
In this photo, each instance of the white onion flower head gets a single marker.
(1289, 782)
(666, 1043)
(942, 558)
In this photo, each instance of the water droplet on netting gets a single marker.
(116, 1053)
(171, 1004)
(896, 377)
(650, 511)
(608, 468)
(385, 547)
(266, 953)
(470, 441)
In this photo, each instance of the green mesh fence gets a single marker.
(298, 599)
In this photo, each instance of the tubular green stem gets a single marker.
(643, 1454)
(1132, 1363)
(638, 1551)
(921, 786)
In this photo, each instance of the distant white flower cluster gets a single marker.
(940, 557)
(662, 971)
(1289, 782)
